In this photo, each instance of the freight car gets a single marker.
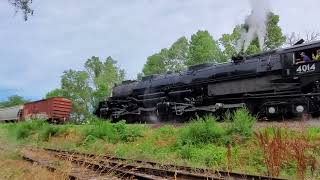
(54, 110)
(272, 83)
(11, 114)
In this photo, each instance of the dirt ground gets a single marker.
(13, 167)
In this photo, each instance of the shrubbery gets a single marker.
(111, 132)
(207, 130)
(44, 130)
(201, 142)
(242, 123)
(202, 131)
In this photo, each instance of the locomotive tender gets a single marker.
(270, 84)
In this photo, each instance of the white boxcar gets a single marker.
(10, 114)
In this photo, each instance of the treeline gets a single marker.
(88, 87)
(203, 48)
(13, 101)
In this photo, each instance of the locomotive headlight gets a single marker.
(271, 110)
(300, 109)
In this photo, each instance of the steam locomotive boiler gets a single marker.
(272, 83)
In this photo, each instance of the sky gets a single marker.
(62, 34)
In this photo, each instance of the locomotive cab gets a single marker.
(300, 59)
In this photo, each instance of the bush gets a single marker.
(25, 129)
(201, 131)
(127, 133)
(48, 131)
(44, 130)
(113, 133)
(242, 123)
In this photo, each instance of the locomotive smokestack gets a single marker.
(255, 25)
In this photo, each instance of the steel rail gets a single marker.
(153, 168)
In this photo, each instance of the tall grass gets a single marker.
(202, 142)
(242, 123)
(41, 128)
(207, 130)
(201, 131)
(110, 132)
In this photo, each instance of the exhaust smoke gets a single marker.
(255, 25)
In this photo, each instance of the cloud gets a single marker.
(63, 34)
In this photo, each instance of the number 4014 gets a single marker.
(306, 68)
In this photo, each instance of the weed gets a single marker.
(49, 130)
(110, 132)
(209, 155)
(273, 149)
(242, 123)
(201, 131)
(281, 149)
(25, 129)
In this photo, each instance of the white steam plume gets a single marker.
(256, 24)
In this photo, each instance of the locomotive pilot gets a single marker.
(317, 56)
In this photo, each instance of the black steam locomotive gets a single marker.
(270, 84)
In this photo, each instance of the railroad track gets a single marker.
(136, 169)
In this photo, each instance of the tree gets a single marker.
(55, 93)
(75, 86)
(168, 60)
(155, 64)
(13, 101)
(104, 76)
(203, 49)
(229, 42)
(24, 6)
(177, 55)
(308, 37)
(274, 38)
(87, 88)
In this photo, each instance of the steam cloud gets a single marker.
(255, 25)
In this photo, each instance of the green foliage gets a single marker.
(183, 145)
(42, 129)
(274, 39)
(201, 131)
(203, 49)
(25, 129)
(87, 88)
(48, 131)
(229, 42)
(209, 155)
(154, 65)
(242, 123)
(207, 130)
(55, 93)
(110, 132)
(168, 60)
(177, 55)
(75, 85)
(103, 76)
(13, 101)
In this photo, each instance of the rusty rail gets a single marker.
(147, 169)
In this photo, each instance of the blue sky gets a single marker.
(63, 34)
